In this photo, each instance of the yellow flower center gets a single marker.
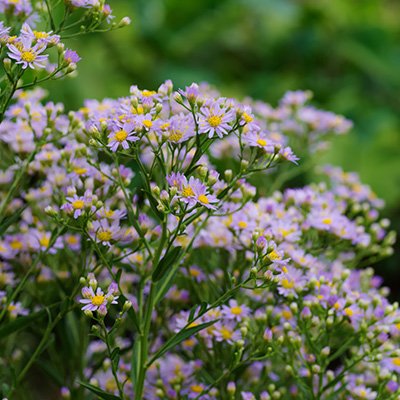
(78, 204)
(28, 56)
(236, 310)
(242, 224)
(120, 136)
(40, 35)
(262, 142)
(196, 388)
(72, 240)
(109, 213)
(348, 312)
(16, 244)
(287, 314)
(327, 221)
(274, 255)
(214, 121)
(194, 272)
(248, 119)
(104, 236)
(148, 93)
(203, 199)
(187, 191)
(396, 361)
(98, 300)
(44, 242)
(147, 123)
(226, 334)
(336, 306)
(80, 171)
(175, 136)
(286, 283)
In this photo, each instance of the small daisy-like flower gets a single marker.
(71, 56)
(105, 233)
(235, 311)
(44, 38)
(16, 309)
(121, 137)
(287, 154)
(77, 204)
(226, 332)
(191, 92)
(26, 55)
(91, 299)
(204, 198)
(214, 119)
(260, 140)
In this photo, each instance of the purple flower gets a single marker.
(215, 119)
(191, 92)
(26, 55)
(121, 136)
(235, 311)
(43, 38)
(71, 56)
(93, 301)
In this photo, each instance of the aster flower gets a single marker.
(121, 136)
(287, 154)
(78, 203)
(16, 309)
(259, 139)
(191, 93)
(215, 119)
(26, 55)
(71, 56)
(105, 233)
(226, 331)
(43, 38)
(91, 299)
(235, 311)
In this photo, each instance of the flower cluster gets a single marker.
(232, 288)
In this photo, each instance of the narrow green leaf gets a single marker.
(165, 263)
(164, 284)
(115, 353)
(22, 322)
(4, 226)
(99, 392)
(183, 335)
(135, 362)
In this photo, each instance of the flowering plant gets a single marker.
(216, 282)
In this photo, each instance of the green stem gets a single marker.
(113, 367)
(144, 334)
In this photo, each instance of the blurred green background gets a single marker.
(346, 51)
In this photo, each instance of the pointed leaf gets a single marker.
(22, 322)
(165, 263)
(97, 391)
(182, 335)
(135, 361)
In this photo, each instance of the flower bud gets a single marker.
(155, 190)
(228, 175)
(127, 306)
(124, 22)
